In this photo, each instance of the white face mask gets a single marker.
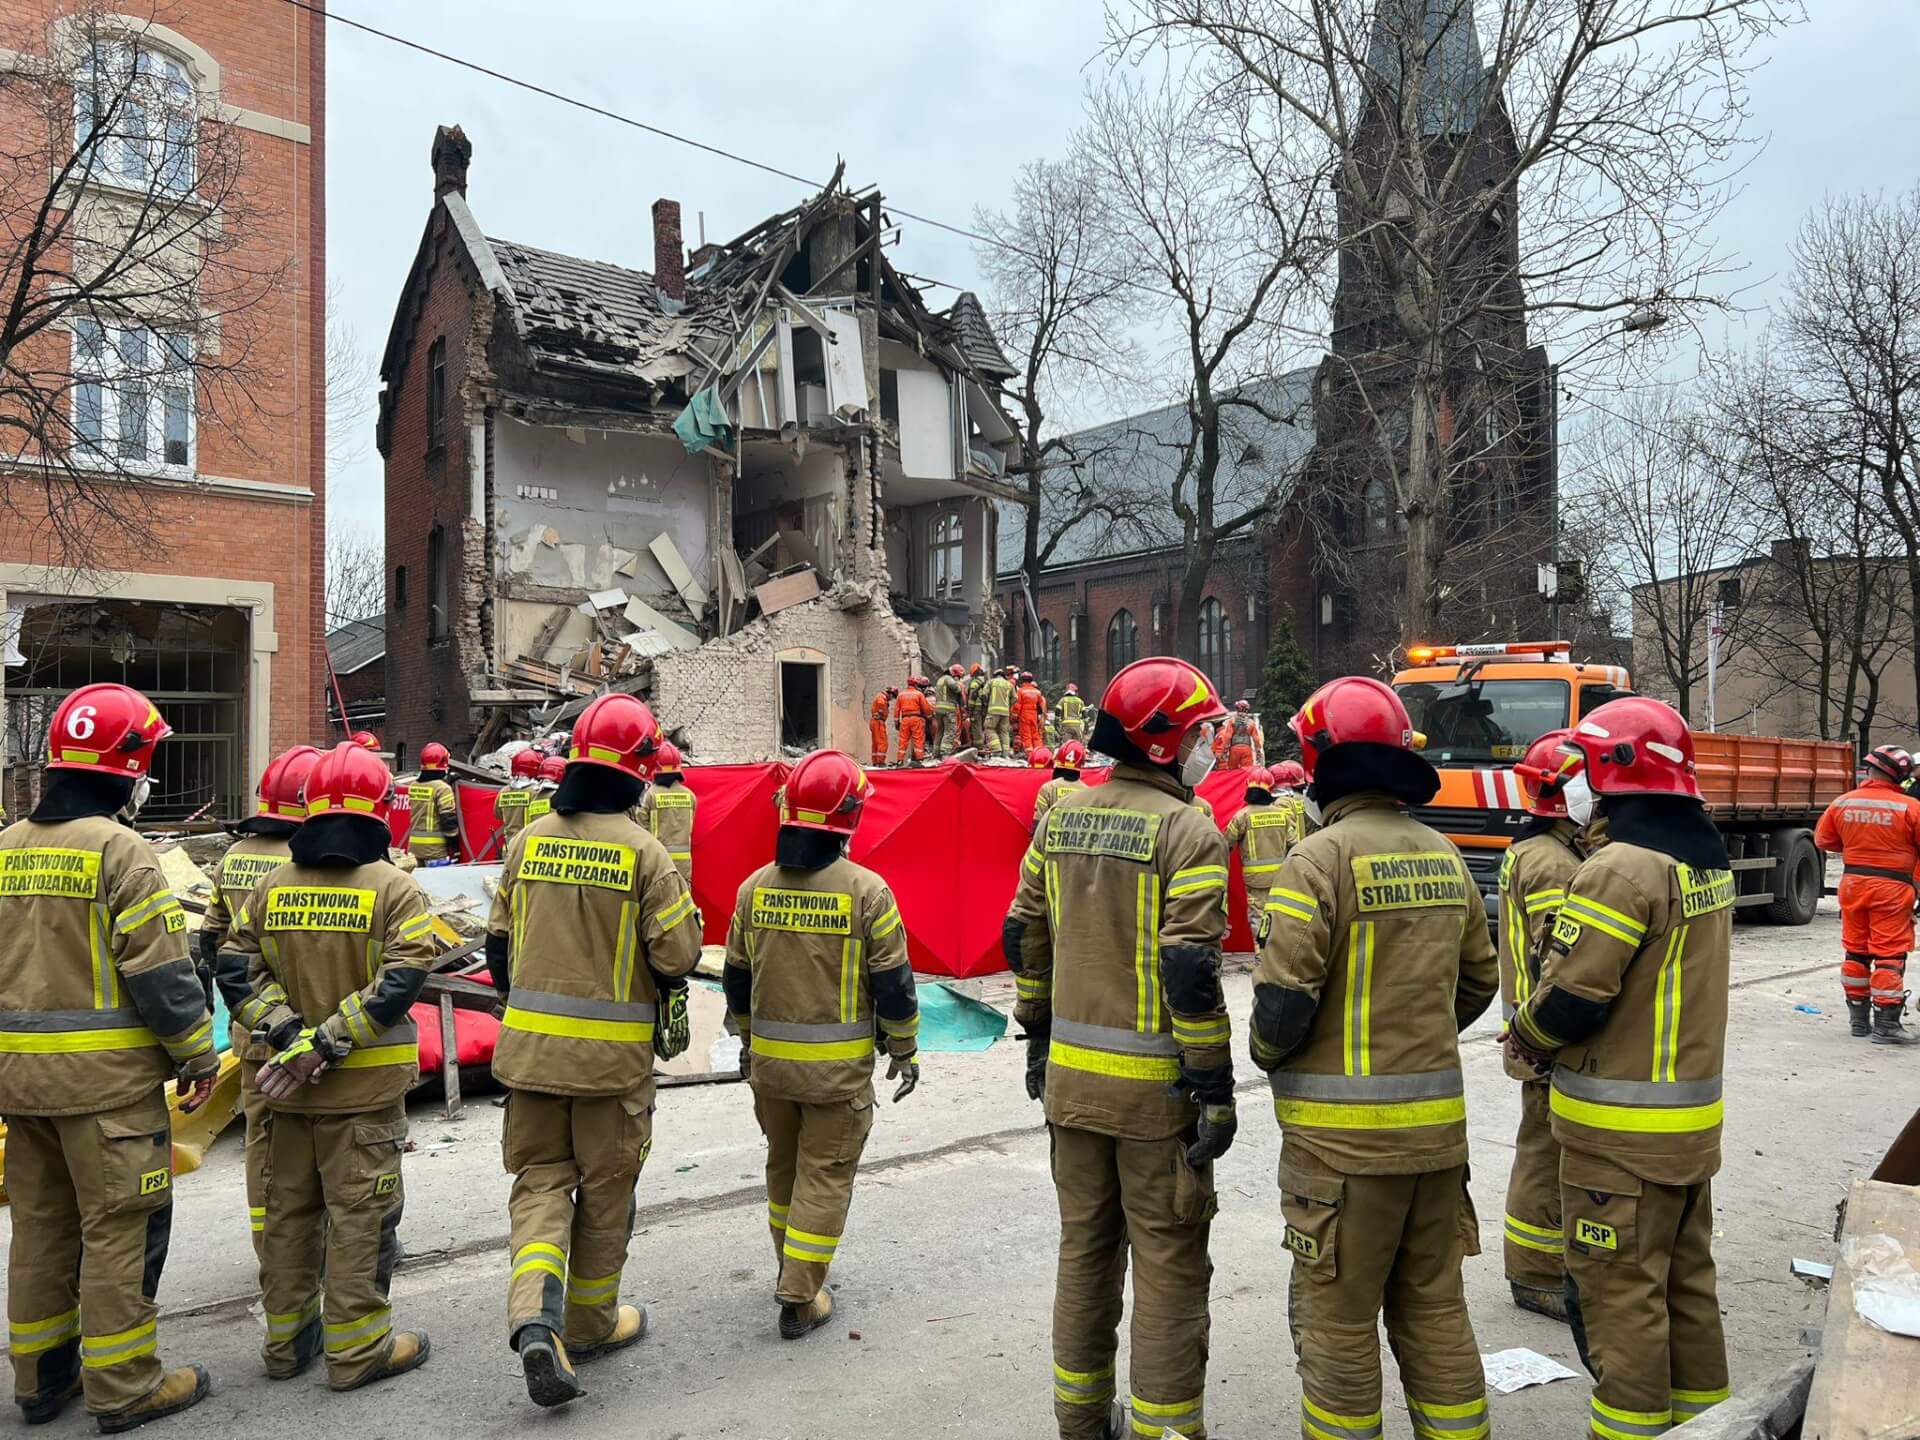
(1313, 808)
(1198, 763)
(1579, 798)
(142, 788)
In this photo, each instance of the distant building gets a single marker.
(357, 653)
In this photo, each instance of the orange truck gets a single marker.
(1481, 706)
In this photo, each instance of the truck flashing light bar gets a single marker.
(1539, 649)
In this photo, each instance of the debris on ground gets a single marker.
(1511, 1370)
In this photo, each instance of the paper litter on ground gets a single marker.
(1886, 1288)
(1511, 1370)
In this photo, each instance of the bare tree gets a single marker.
(353, 385)
(1510, 173)
(356, 576)
(131, 269)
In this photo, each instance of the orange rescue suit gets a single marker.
(1876, 831)
(877, 726)
(1028, 706)
(914, 710)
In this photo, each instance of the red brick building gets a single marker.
(209, 595)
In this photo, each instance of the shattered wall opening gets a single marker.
(803, 699)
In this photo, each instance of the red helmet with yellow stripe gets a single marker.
(107, 728)
(826, 791)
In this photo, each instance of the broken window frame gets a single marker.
(439, 627)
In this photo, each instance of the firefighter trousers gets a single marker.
(334, 1197)
(878, 732)
(1876, 915)
(813, 1153)
(1642, 1296)
(913, 739)
(1535, 1249)
(1365, 1246)
(575, 1161)
(92, 1199)
(253, 1108)
(1135, 1200)
(999, 735)
(1256, 911)
(1029, 733)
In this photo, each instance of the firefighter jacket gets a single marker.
(101, 999)
(1114, 941)
(1296, 809)
(248, 860)
(666, 813)
(947, 694)
(912, 705)
(541, 803)
(816, 970)
(343, 950)
(595, 916)
(1533, 881)
(999, 696)
(1050, 794)
(510, 806)
(1632, 996)
(1374, 955)
(1262, 835)
(882, 706)
(1073, 709)
(1876, 831)
(436, 819)
(977, 693)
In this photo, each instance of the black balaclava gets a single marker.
(797, 847)
(596, 790)
(1675, 825)
(339, 838)
(1257, 796)
(671, 778)
(1539, 825)
(1362, 765)
(76, 794)
(1109, 739)
(267, 827)
(1065, 774)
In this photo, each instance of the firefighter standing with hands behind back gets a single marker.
(1374, 955)
(103, 1007)
(435, 836)
(1630, 1018)
(591, 937)
(1876, 830)
(1261, 831)
(668, 808)
(1114, 942)
(817, 976)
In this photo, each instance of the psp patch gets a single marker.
(1566, 930)
(560, 860)
(1302, 1244)
(811, 912)
(1422, 880)
(387, 1184)
(1704, 891)
(1091, 830)
(154, 1181)
(70, 874)
(1592, 1233)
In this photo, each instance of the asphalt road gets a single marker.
(944, 1283)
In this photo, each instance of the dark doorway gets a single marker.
(800, 694)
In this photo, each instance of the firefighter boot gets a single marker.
(408, 1351)
(1550, 1303)
(181, 1390)
(1859, 1018)
(797, 1320)
(628, 1328)
(47, 1405)
(543, 1359)
(1887, 1029)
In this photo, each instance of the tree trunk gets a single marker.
(1030, 556)
(1198, 564)
(1420, 598)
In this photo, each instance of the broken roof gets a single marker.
(976, 338)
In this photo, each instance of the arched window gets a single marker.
(1216, 645)
(135, 116)
(1376, 513)
(1047, 666)
(1123, 641)
(944, 548)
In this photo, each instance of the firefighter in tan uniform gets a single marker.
(337, 945)
(1260, 832)
(667, 809)
(949, 699)
(1289, 786)
(1374, 955)
(591, 937)
(102, 1008)
(435, 836)
(547, 780)
(1533, 883)
(817, 977)
(262, 848)
(1066, 762)
(1630, 1017)
(1073, 714)
(1114, 941)
(510, 805)
(999, 692)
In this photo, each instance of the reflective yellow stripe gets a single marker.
(1146, 956)
(1203, 1032)
(777, 1215)
(1032, 863)
(594, 1292)
(811, 1050)
(675, 913)
(1535, 1237)
(1356, 1037)
(373, 1056)
(1032, 989)
(534, 1022)
(901, 1029)
(98, 1352)
(887, 923)
(285, 1327)
(1106, 1062)
(257, 1218)
(35, 1337)
(625, 943)
(351, 1333)
(1666, 1008)
(1617, 1424)
(1283, 907)
(1298, 897)
(1689, 1403)
(1194, 887)
(1538, 900)
(1467, 1421)
(849, 977)
(1604, 918)
(1638, 1120)
(1083, 1387)
(198, 1041)
(417, 926)
(132, 919)
(542, 1257)
(75, 1042)
(1404, 1115)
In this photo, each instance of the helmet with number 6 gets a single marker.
(826, 791)
(109, 729)
(349, 780)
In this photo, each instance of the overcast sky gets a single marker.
(935, 104)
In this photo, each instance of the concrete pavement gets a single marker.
(944, 1283)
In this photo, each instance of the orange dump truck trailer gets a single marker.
(1481, 706)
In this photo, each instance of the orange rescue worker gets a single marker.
(1028, 706)
(877, 719)
(435, 836)
(1875, 829)
(1240, 741)
(914, 710)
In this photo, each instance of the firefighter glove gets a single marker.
(905, 1069)
(1214, 1136)
(301, 1063)
(675, 1033)
(746, 1058)
(1521, 1054)
(1206, 1087)
(1036, 1067)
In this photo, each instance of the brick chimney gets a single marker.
(669, 255)
(451, 152)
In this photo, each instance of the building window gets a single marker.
(437, 394)
(133, 395)
(1047, 666)
(1216, 644)
(399, 587)
(1123, 641)
(944, 557)
(437, 583)
(1728, 593)
(1376, 510)
(134, 118)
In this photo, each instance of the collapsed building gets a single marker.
(753, 486)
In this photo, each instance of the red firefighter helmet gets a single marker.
(1260, 778)
(553, 767)
(1355, 709)
(617, 731)
(365, 739)
(1070, 756)
(1155, 702)
(433, 756)
(1637, 746)
(1890, 762)
(1289, 775)
(107, 728)
(892, 690)
(348, 780)
(1026, 677)
(978, 669)
(1544, 772)
(1242, 706)
(666, 760)
(525, 763)
(955, 670)
(1040, 758)
(826, 791)
(1072, 689)
(283, 784)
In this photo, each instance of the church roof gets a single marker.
(1437, 40)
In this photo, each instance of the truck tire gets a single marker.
(1799, 874)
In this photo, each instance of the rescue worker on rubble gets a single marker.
(1067, 762)
(263, 846)
(667, 807)
(948, 696)
(1374, 955)
(337, 944)
(435, 836)
(552, 769)
(1050, 730)
(1875, 829)
(977, 705)
(915, 712)
(1533, 883)
(1629, 1016)
(817, 979)
(1261, 832)
(1029, 705)
(1240, 744)
(877, 716)
(103, 1007)
(999, 695)
(510, 805)
(1073, 714)
(1132, 1056)
(592, 935)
